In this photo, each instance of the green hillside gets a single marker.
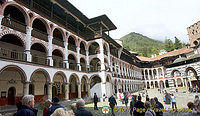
(143, 45)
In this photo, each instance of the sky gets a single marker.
(157, 19)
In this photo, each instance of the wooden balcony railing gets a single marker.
(58, 42)
(11, 54)
(72, 47)
(83, 52)
(14, 24)
(58, 63)
(73, 66)
(40, 60)
(39, 34)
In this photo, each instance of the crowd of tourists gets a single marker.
(26, 108)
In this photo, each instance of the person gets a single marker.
(54, 106)
(167, 98)
(27, 109)
(158, 106)
(196, 100)
(81, 111)
(73, 107)
(196, 88)
(47, 105)
(173, 101)
(95, 101)
(132, 103)
(122, 98)
(149, 111)
(192, 108)
(126, 100)
(19, 105)
(60, 112)
(112, 103)
(104, 97)
(139, 104)
(152, 103)
(147, 98)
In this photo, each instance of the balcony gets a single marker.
(40, 60)
(73, 66)
(39, 34)
(13, 55)
(72, 47)
(58, 42)
(58, 63)
(83, 52)
(14, 24)
(47, 13)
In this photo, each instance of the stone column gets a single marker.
(79, 90)
(157, 74)
(66, 55)
(1, 17)
(87, 60)
(148, 75)
(28, 43)
(176, 83)
(49, 92)
(103, 90)
(26, 88)
(89, 90)
(122, 71)
(102, 56)
(109, 61)
(49, 57)
(163, 73)
(144, 75)
(78, 58)
(182, 82)
(190, 82)
(185, 82)
(66, 91)
(164, 84)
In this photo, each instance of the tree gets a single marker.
(177, 44)
(168, 45)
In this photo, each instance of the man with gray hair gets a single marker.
(81, 111)
(28, 103)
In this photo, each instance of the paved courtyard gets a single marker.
(182, 98)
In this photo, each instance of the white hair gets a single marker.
(60, 112)
(80, 102)
(26, 99)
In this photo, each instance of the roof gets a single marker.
(168, 54)
(102, 21)
(180, 59)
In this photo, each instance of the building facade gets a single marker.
(49, 48)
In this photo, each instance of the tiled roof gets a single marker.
(168, 54)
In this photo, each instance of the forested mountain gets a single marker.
(146, 46)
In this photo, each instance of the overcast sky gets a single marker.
(158, 19)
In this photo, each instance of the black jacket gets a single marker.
(139, 105)
(26, 111)
(82, 112)
(95, 99)
(112, 101)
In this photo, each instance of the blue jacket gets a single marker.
(26, 111)
(53, 108)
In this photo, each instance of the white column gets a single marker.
(78, 58)
(122, 71)
(66, 55)
(50, 38)
(87, 60)
(157, 74)
(66, 91)
(25, 88)
(1, 17)
(79, 90)
(144, 75)
(103, 90)
(148, 75)
(111, 66)
(49, 92)
(182, 82)
(88, 90)
(28, 43)
(102, 56)
(163, 73)
(185, 82)
(176, 83)
(109, 61)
